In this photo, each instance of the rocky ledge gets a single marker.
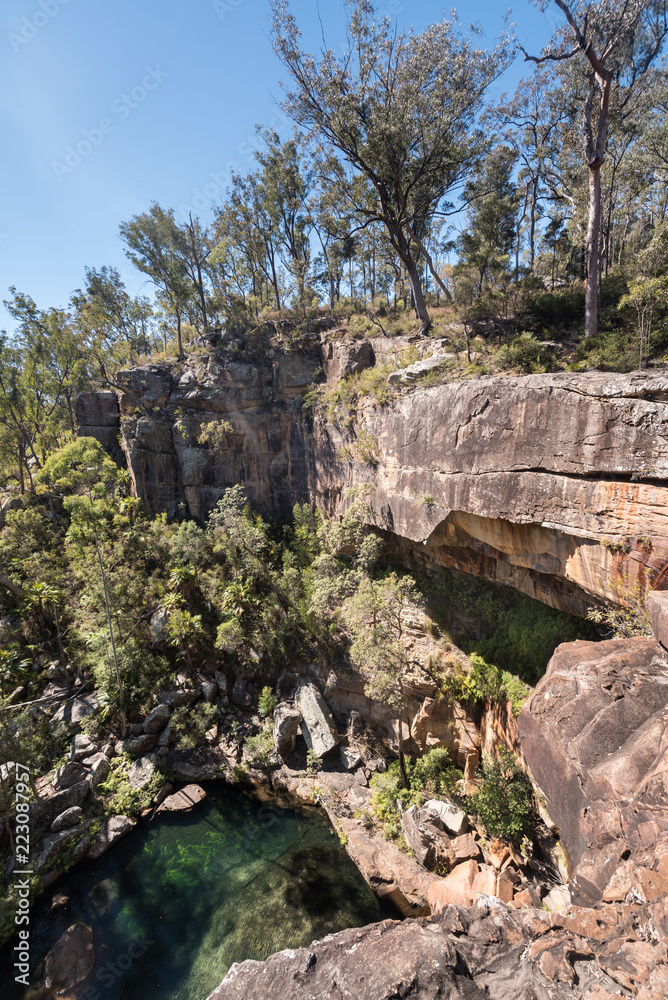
(554, 484)
(486, 951)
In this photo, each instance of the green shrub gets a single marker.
(431, 775)
(525, 353)
(259, 749)
(313, 763)
(503, 802)
(267, 703)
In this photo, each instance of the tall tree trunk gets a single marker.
(593, 250)
(119, 680)
(178, 334)
(419, 303)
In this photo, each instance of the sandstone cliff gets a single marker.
(554, 484)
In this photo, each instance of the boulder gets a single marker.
(595, 737)
(177, 699)
(69, 774)
(341, 358)
(71, 817)
(159, 620)
(239, 693)
(82, 746)
(411, 374)
(484, 882)
(498, 853)
(209, 691)
(183, 800)
(141, 772)
(453, 819)
(75, 710)
(657, 605)
(287, 720)
(350, 758)
(112, 829)
(428, 841)
(45, 810)
(71, 959)
(317, 725)
(55, 843)
(221, 681)
(137, 745)
(455, 889)
(166, 737)
(156, 721)
(100, 770)
(465, 846)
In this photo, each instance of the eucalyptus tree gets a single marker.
(154, 244)
(403, 110)
(117, 327)
(285, 181)
(487, 242)
(615, 43)
(244, 222)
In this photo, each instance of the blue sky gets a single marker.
(108, 105)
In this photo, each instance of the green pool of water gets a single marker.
(180, 899)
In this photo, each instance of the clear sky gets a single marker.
(108, 105)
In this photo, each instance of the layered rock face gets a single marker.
(553, 484)
(251, 411)
(595, 737)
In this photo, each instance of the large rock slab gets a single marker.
(183, 800)
(71, 959)
(112, 829)
(318, 728)
(141, 772)
(45, 810)
(486, 951)
(287, 723)
(157, 720)
(595, 737)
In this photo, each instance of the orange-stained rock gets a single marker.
(455, 888)
(498, 854)
(505, 888)
(484, 882)
(465, 846)
(620, 884)
(527, 897)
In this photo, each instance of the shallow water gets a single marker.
(231, 880)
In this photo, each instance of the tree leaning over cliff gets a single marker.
(616, 42)
(400, 109)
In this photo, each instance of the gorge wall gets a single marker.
(554, 484)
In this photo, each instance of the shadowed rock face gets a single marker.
(595, 737)
(554, 484)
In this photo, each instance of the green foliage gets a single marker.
(525, 354)
(259, 749)
(313, 763)
(480, 681)
(629, 619)
(430, 776)
(121, 798)
(503, 801)
(505, 628)
(267, 703)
